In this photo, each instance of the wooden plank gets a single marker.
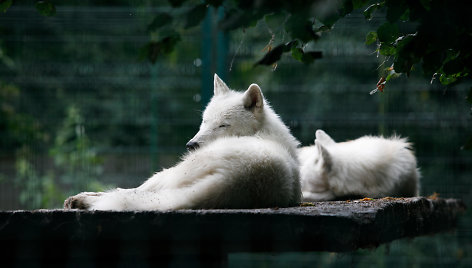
(161, 237)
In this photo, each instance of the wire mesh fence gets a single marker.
(80, 111)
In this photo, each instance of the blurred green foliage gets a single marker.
(46, 8)
(76, 160)
(76, 167)
(435, 34)
(439, 40)
(17, 128)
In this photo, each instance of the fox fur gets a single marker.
(369, 166)
(243, 156)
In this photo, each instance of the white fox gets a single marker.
(243, 156)
(366, 167)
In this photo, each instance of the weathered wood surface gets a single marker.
(323, 226)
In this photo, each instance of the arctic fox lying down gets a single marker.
(365, 167)
(243, 156)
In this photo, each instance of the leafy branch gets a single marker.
(434, 34)
(439, 41)
(298, 22)
(44, 7)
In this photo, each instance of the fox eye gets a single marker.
(223, 125)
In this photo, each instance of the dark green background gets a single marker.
(73, 89)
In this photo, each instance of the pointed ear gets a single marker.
(219, 87)
(324, 138)
(325, 156)
(253, 98)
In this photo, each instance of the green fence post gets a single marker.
(154, 116)
(207, 57)
(221, 48)
(214, 52)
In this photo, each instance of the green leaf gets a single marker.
(409, 50)
(310, 56)
(167, 44)
(387, 49)
(195, 16)
(451, 55)
(323, 28)
(164, 46)
(359, 3)
(274, 55)
(403, 65)
(297, 53)
(46, 8)
(274, 20)
(4, 5)
(387, 32)
(406, 16)
(301, 28)
(395, 9)
(236, 18)
(432, 62)
(371, 38)
(447, 79)
(392, 74)
(289, 45)
(330, 20)
(305, 57)
(418, 9)
(369, 11)
(426, 4)
(161, 19)
(346, 8)
(455, 66)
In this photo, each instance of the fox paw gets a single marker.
(81, 201)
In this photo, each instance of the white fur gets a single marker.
(246, 158)
(368, 166)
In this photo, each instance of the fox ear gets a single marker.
(219, 87)
(323, 138)
(253, 98)
(325, 156)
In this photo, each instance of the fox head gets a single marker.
(320, 163)
(230, 113)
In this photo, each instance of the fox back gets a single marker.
(368, 166)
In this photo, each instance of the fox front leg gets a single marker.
(321, 196)
(82, 201)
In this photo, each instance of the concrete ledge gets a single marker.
(161, 237)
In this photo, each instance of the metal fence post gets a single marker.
(214, 52)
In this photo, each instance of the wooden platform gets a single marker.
(207, 236)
